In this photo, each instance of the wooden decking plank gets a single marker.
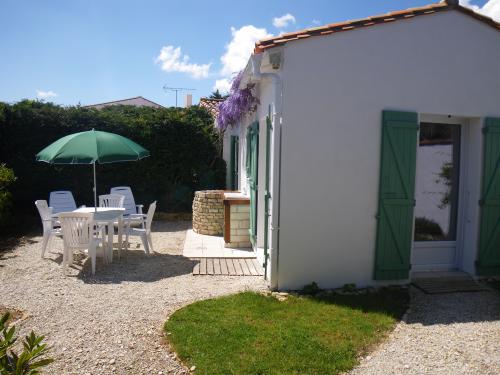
(210, 266)
(234, 267)
(203, 266)
(244, 267)
(251, 267)
(258, 267)
(196, 269)
(223, 267)
(217, 270)
(230, 266)
(238, 267)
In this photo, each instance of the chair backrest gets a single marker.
(77, 228)
(45, 213)
(150, 214)
(62, 201)
(111, 200)
(129, 201)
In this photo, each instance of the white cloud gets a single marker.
(171, 59)
(240, 48)
(237, 53)
(223, 85)
(283, 21)
(490, 9)
(45, 94)
(316, 22)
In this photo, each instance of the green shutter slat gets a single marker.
(236, 162)
(231, 163)
(396, 195)
(488, 261)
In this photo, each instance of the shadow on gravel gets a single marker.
(453, 308)
(9, 244)
(134, 265)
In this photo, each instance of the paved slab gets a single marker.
(204, 246)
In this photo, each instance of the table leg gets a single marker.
(120, 235)
(111, 232)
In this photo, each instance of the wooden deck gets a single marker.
(227, 267)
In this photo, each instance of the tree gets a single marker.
(217, 95)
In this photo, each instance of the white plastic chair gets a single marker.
(49, 224)
(62, 201)
(111, 200)
(79, 234)
(143, 233)
(133, 212)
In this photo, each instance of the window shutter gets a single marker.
(253, 165)
(488, 261)
(233, 163)
(396, 195)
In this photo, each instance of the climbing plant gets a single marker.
(239, 103)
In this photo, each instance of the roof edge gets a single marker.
(121, 100)
(332, 28)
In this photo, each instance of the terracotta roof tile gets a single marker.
(271, 42)
(212, 105)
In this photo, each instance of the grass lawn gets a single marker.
(249, 333)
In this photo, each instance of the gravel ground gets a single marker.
(110, 323)
(441, 334)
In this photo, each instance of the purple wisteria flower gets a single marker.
(239, 103)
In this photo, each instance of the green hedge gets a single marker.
(6, 179)
(184, 145)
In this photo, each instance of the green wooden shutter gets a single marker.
(247, 159)
(396, 195)
(488, 261)
(233, 162)
(253, 166)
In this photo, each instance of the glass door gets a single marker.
(437, 197)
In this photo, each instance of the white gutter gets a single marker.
(277, 121)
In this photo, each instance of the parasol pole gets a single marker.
(95, 190)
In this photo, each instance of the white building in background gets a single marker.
(138, 101)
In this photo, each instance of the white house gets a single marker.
(137, 101)
(375, 150)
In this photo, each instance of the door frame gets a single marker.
(464, 124)
(252, 161)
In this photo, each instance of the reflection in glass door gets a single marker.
(436, 193)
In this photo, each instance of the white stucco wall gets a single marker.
(335, 89)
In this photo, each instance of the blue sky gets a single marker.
(90, 51)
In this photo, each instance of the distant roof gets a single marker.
(212, 105)
(137, 101)
(267, 43)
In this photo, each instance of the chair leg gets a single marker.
(144, 240)
(126, 241)
(150, 240)
(45, 241)
(92, 253)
